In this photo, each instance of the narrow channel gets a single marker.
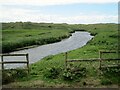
(77, 40)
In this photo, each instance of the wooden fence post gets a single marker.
(2, 62)
(65, 59)
(100, 57)
(118, 57)
(27, 57)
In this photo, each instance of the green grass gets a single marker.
(106, 38)
(19, 37)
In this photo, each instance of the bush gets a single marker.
(68, 75)
(19, 73)
(74, 73)
(12, 75)
(114, 71)
(52, 73)
(110, 76)
(7, 78)
(106, 82)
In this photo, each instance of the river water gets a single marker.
(77, 40)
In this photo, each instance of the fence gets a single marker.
(101, 52)
(14, 62)
(100, 59)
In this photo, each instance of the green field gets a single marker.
(50, 71)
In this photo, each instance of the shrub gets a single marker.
(68, 75)
(52, 72)
(12, 75)
(106, 82)
(110, 75)
(74, 72)
(7, 78)
(20, 73)
(111, 71)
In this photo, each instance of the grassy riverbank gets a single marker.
(50, 72)
(19, 35)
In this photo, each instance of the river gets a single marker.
(77, 40)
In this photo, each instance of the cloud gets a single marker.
(52, 2)
(10, 14)
(28, 15)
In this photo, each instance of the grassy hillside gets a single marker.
(51, 72)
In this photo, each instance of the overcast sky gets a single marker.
(59, 11)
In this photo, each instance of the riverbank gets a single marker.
(15, 42)
(19, 35)
(42, 72)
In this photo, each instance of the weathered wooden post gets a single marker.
(27, 57)
(2, 62)
(100, 57)
(65, 59)
(118, 57)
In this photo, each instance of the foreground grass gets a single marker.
(105, 39)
